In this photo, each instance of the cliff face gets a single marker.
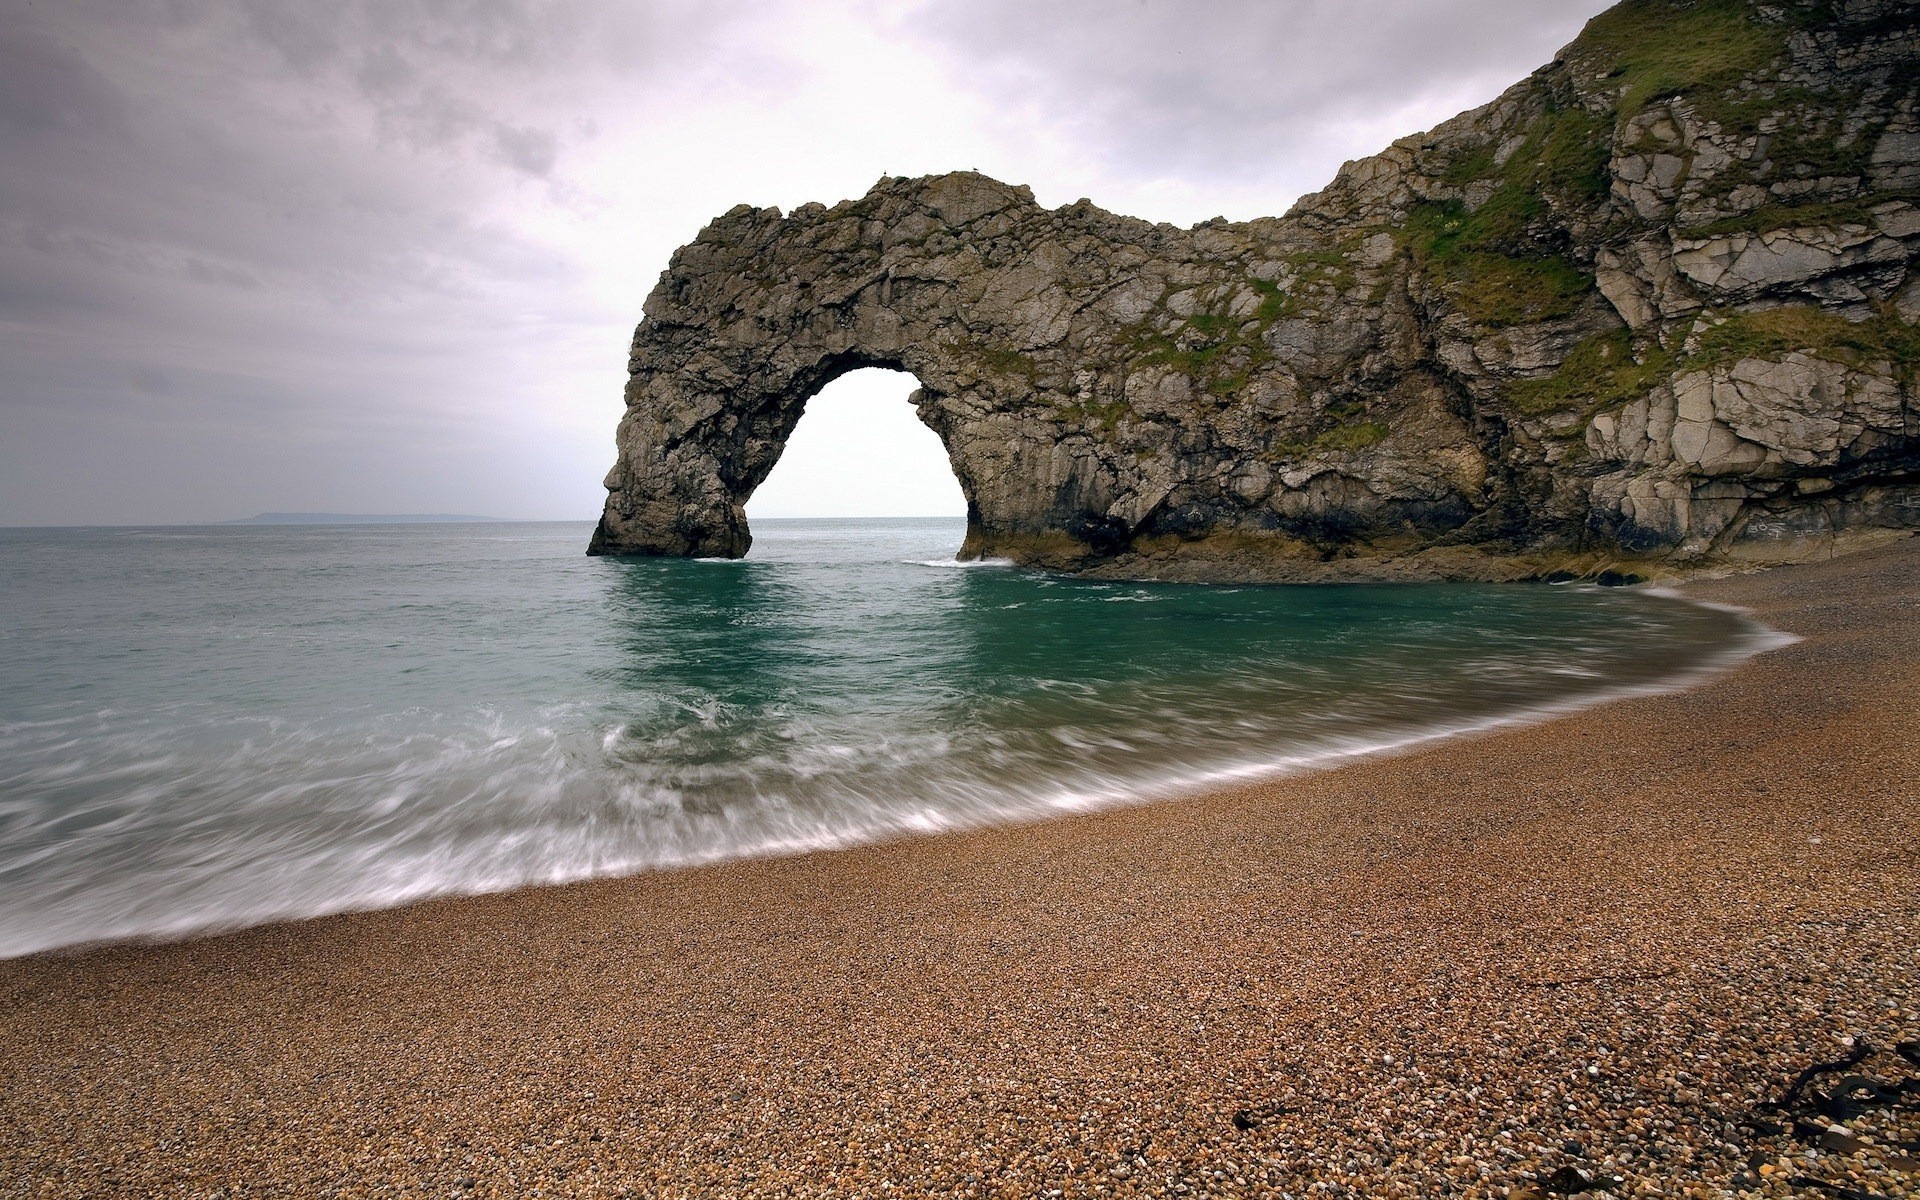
(1656, 302)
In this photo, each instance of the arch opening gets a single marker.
(860, 450)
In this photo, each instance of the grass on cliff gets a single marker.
(1353, 437)
(1655, 48)
(1095, 415)
(1720, 57)
(1221, 367)
(1503, 263)
(1781, 331)
(1601, 373)
(1357, 436)
(1489, 262)
(1220, 351)
(1766, 219)
(1570, 150)
(1351, 431)
(997, 360)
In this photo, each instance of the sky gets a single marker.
(385, 256)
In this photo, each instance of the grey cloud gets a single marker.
(1237, 89)
(279, 210)
(48, 88)
(531, 151)
(150, 379)
(222, 274)
(304, 35)
(384, 71)
(224, 143)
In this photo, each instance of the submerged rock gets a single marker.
(1620, 311)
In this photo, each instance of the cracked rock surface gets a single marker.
(1648, 305)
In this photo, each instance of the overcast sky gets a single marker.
(385, 255)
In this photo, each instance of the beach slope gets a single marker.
(1589, 946)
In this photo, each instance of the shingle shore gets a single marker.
(1501, 965)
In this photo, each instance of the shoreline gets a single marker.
(1471, 935)
(1167, 781)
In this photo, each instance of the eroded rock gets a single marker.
(1586, 320)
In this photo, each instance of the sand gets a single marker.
(1507, 964)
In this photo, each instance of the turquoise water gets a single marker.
(205, 727)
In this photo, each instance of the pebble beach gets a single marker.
(1669, 946)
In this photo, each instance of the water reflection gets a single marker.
(699, 633)
(232, 727)
(861, 689)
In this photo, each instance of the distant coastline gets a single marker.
(325, 518)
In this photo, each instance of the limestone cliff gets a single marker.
(1656, 302)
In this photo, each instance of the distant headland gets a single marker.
(326, 518)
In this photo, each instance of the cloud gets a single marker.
(48, 88)
(531, 151)
(1240, 92)
(284, 254)
(301, 216)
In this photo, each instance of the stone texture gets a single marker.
(1576, 324)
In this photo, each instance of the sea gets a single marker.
(209, 727)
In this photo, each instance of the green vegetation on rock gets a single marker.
(1094, 415)
(1600, 373)
(998, 360)
(1362, 435)
(1828, 215)
(1569, 150)
(1350, 433)
(1488, 263)
(1656, 48)
(1220, 351)
(1503, 262)
(1220, 366)
(1564, 157)
(1358, 436)
(1717, 57)
(1777, 332)
(1274, 303)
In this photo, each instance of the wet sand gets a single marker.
(1591, 945)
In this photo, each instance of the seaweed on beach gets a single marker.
(1848, 1105)
(1849, 1097)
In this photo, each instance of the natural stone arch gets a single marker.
(759, 313)
(1473, 354)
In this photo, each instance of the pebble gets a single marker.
(1374, 982)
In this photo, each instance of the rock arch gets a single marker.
(717, 444)
(929, 277)
(1104, 387)
(1519, 343)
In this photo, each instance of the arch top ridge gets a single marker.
(820, 257)
(1015, 319)
(912, 266)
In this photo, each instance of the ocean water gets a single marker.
(209, 727)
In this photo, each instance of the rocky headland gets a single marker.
(1653, 309)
